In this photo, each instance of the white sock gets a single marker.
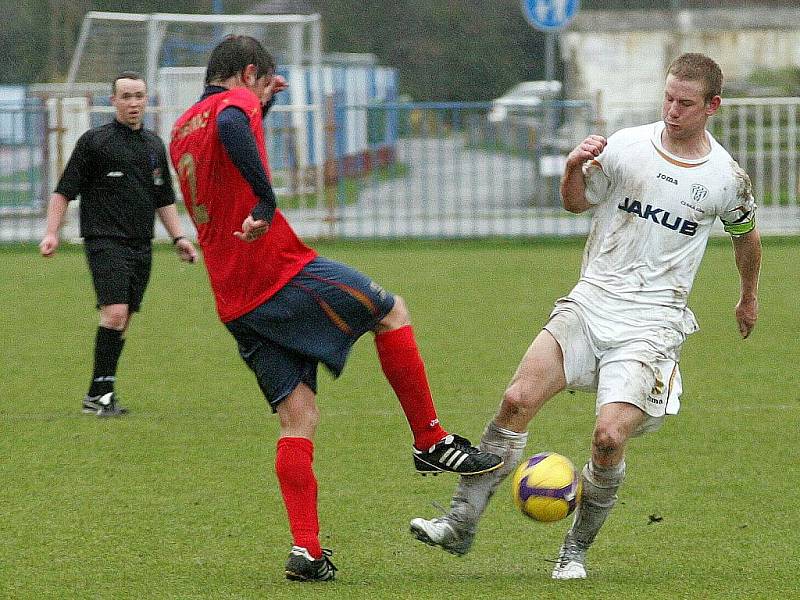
(474, 491)
(598, 497)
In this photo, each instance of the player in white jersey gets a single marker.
(654, 192)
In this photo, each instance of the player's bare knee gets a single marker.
(398, 317)
(517, 403)
(607, 443)
(310, 420)
(300, 421)
(114, 317)
(298, 413)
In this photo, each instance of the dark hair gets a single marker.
(233, 54)
(698, 67)
(125, 75)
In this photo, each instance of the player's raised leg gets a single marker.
(434, 449)
(539, 377)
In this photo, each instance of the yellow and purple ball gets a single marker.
(546, 487)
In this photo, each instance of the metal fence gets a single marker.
(419, 170)
(22, 181)
(453, 173)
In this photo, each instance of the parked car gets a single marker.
(522, 98)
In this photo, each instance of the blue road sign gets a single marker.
(549, 15)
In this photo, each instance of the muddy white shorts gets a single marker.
(620, 361)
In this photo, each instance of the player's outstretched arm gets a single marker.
(747, 251)
(573, 186)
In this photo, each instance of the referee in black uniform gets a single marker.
(121, 173)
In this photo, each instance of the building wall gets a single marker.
(622, 57)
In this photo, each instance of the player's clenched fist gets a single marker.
(48, 245)
(588, 149)
(275, 85)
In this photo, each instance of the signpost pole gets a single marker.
(549, 16)
(550, 55)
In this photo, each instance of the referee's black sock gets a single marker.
(107, 349)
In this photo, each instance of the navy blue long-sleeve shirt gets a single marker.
(240, 144)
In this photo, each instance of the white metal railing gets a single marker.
(446, 171)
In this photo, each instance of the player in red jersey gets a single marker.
(287, 307)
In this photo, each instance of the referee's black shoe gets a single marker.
(455, 454)
(103, 405)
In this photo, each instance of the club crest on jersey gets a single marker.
(662, 217)
(698, 192)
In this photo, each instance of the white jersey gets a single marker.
(653, 213)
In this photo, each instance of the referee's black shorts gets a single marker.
(120, 269)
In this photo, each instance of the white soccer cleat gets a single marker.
(572, 570)
(441, 532)
(571, 563)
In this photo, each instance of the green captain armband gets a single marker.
(740, 228)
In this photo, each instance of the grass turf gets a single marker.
(179, 499)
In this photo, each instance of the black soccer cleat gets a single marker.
(455, 454)
(103, 405)
(301, 566)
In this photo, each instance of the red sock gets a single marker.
(403, 367)
(293, 461)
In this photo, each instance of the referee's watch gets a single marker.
(177, 239)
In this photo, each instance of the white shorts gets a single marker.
(627, 363)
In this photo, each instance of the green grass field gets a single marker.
(179, 499)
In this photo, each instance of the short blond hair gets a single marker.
(698, 67)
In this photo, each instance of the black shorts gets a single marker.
(316, 317)
(120, 269)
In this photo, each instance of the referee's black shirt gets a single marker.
(122, 176)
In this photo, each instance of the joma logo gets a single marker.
(667, 178)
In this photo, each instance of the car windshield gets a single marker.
(530, 93)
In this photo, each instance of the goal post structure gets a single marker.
(171, 52)
(111, 42)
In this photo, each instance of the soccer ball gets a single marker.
(546, 487)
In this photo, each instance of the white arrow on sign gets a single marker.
(549, 15)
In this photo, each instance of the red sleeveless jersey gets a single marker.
(243, 275)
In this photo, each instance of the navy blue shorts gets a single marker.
(120, 270)
(316, 317)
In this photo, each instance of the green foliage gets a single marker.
(179, 500)
(444, 50)
(23, 42)
(39, 36)
(784, 81)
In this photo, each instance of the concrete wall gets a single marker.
(622, 56)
